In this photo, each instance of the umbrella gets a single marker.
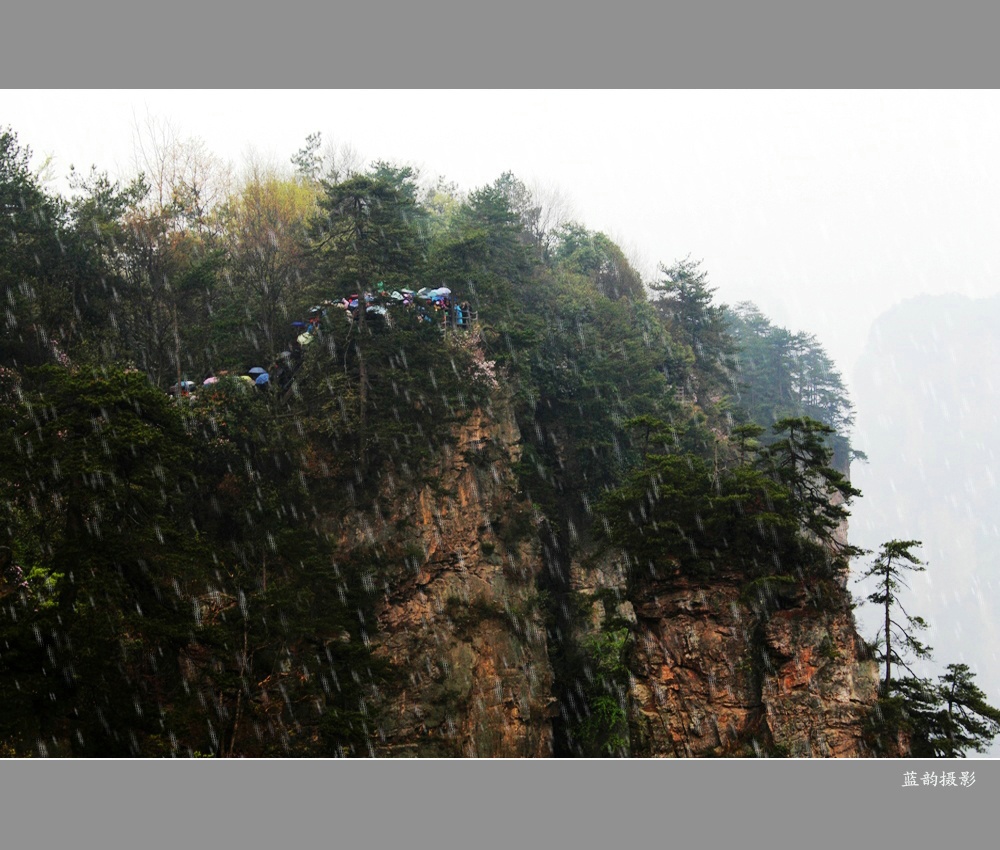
(262, 379)
(305, 339)
(208, 381)
(257, 370)
(246, 378)
(298, 324)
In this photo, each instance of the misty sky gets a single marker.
(823, 207)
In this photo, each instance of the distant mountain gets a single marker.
(927, 395)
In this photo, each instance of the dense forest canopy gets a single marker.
(172, 575)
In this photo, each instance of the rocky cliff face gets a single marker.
(461, 623)
(717, 667)
(723, 668)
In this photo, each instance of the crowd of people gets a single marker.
(431, 305)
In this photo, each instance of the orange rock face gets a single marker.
(462, 621)
(717, 676)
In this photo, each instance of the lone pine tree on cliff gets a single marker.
(895, 559)
(942, 720)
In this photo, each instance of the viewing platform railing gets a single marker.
(450, 319)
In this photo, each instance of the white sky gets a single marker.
(823, 207)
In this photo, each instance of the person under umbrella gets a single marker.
(185, 388)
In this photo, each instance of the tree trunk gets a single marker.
(888, 647)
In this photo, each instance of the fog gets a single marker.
(826, 208)
(928, 397)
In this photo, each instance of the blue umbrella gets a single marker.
(257, 370)
(262, 379)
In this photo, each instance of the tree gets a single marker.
(369, 233)
(964, 719)
(781, 374)
(894, 560)
(308, 161)
(93, 528)
(486, 251)
(266, 227)
(597, 257)
(159, 238)
(684, 300)
(34, 265)
(942, 720)
(801, 460)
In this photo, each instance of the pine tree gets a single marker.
(685, 301)
(369, 233)
(894, 559)
(802, 461)
(966, 719)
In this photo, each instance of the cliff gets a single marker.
(461, 624)
(723, 668)
(714, 667)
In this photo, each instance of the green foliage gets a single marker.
(771, 513)
(112, 540)
(927, 720)
(36, 262)
(308, 160)
(683, 299)
(598, 258)
(962, 719)
(781, 375)
(599, 667)
(368, 230)
(942, 720)
(99, 491)
(898, 635)
(801, 461)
